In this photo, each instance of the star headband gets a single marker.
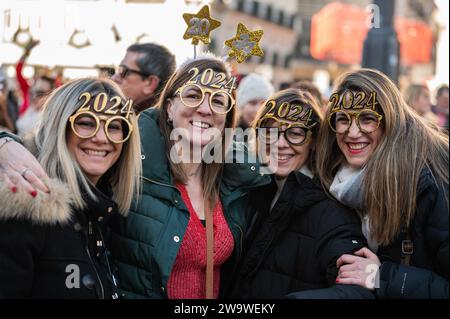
(243, 45)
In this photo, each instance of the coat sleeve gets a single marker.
(407, 282)
(335, 292)
(19, 247)
(339, 233)
(400, 281)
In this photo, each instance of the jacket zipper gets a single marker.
(86, 247)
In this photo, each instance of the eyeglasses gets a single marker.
(86, 124)
(123, 71)
(367, 121)
(295, 133)
(192, 95)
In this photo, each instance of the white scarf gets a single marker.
(347, 187)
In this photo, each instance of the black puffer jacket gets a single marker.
(427, 275)
(295, 246)
(48, 250)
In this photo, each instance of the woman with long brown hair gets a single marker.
(297, 232)
(191, 217)
(379, 157)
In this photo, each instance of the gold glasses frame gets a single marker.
(289, 126)
(354, 114)
(97, 119)
(204, 90)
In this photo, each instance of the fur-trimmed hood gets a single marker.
(45, 208)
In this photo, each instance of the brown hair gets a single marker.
(308, 86)
(212, 172)
(408, 145)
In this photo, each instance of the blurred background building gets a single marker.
(303, 39)
(319, 39)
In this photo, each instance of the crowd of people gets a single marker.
(98, 203)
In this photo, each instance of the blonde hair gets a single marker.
(305, 99)
(57, 160)
(211, 175)
(408, 145)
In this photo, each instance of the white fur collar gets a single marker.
(45, 208)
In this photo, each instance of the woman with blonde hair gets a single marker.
(379, 157)
(54, 245)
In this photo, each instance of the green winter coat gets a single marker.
(145, 244)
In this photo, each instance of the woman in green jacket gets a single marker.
(161, 248)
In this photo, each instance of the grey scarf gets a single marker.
(347, 187)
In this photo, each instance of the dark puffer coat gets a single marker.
(295, 246)
(48, 250)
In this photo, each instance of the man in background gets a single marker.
(143, 72)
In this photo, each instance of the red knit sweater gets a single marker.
(188, 277)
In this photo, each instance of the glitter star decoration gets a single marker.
(200, 26)
(245, 43)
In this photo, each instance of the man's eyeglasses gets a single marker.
(123, 71)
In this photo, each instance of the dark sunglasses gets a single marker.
(124, 71)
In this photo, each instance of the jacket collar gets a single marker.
(103, 208)
(155, 165)
(302, 191)
(53, 208)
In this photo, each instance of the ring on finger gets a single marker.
(24, 171)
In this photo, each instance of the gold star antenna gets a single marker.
(245, 43)
(200, 26)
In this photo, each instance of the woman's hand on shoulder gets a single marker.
(20, 169)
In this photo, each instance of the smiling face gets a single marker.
(96, 154)
(356, 145)
(289, 157)
(198, 121)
